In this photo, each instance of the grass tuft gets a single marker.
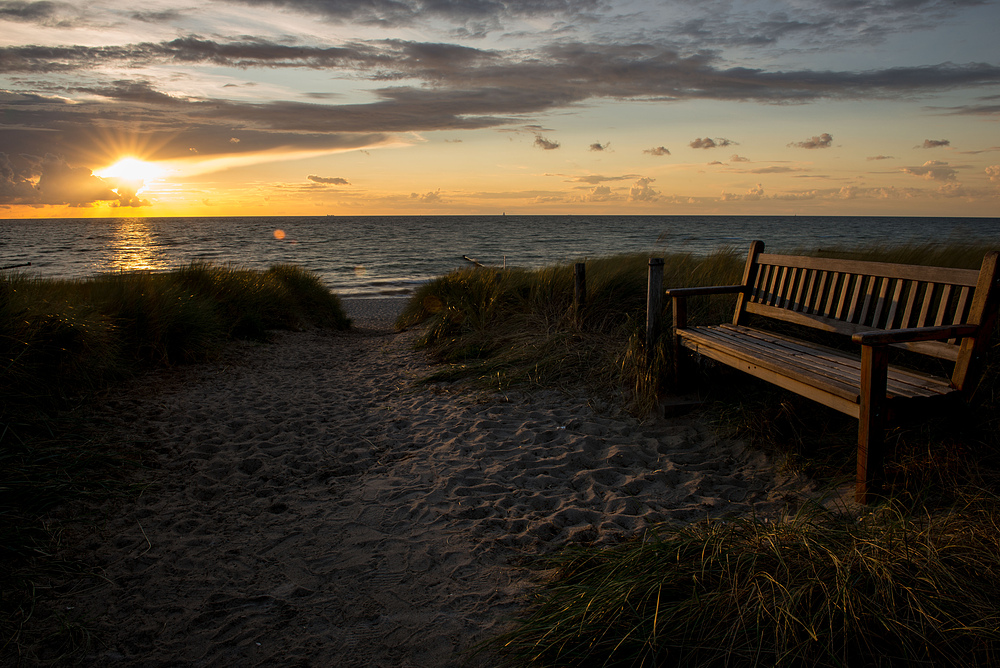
(820, 589)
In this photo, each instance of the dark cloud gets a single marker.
(815, 26)
(822, 141)
(546, 144)
(881, 157)
(458, 88)
(776, 169)
(738, 158)
(389, 13)
(51, 180)
(659, 150)
(933, 170)
(334, 180)
(708, 142)
(597, 146)
(971, 110)
(594, 179)
(157, 17)
(35, 12)
(934, 143)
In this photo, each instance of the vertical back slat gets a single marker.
(779, 287)
(962, 308)
(883, 292)
(897, 294)
(855, 298)
(926, 306)
(911, 299)
(871, 286)
(942, 305)
(845, 297)
(825, 302)
(811, 296)
(772, 284)
(800, 286)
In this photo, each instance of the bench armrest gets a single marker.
(884, 337)
(706, 290)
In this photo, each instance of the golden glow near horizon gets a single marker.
(748, 107)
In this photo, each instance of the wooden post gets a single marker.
(654, 303)
(580, 290)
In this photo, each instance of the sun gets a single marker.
(132, 170)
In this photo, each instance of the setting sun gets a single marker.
(132, 169)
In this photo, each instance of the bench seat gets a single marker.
(827, 375)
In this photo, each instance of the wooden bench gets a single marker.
(941, 312)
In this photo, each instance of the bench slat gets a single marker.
(782, 357)
(843, 369)
(911, 299)
(939, 349)
(910, 382)
(925, 309)
(890, 319)
(942, 306)
(910, 272)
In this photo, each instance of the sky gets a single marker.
(115, 108)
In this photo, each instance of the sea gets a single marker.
(367, 256)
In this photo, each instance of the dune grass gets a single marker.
(915, 582)
(62, 341)
(504, 327)
(822, 589)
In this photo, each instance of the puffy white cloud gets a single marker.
(641, 191)
(993, 172)
(599, 194)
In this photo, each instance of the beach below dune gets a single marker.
(313, 505)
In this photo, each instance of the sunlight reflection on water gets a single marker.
(135, 247)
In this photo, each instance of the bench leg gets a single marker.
(871, 422)
(681, 356)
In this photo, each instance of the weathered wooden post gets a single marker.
(580, 290)
(654, 303)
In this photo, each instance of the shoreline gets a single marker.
(373, 312)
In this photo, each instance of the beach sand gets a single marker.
(312, 506)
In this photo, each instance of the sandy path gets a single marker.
(314, 508)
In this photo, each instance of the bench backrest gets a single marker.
(849, 296)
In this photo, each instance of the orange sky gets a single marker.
(306, 107)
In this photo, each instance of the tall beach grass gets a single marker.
(62, 341)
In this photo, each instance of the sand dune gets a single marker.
(315, 507)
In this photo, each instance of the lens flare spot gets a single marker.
(279, 234)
